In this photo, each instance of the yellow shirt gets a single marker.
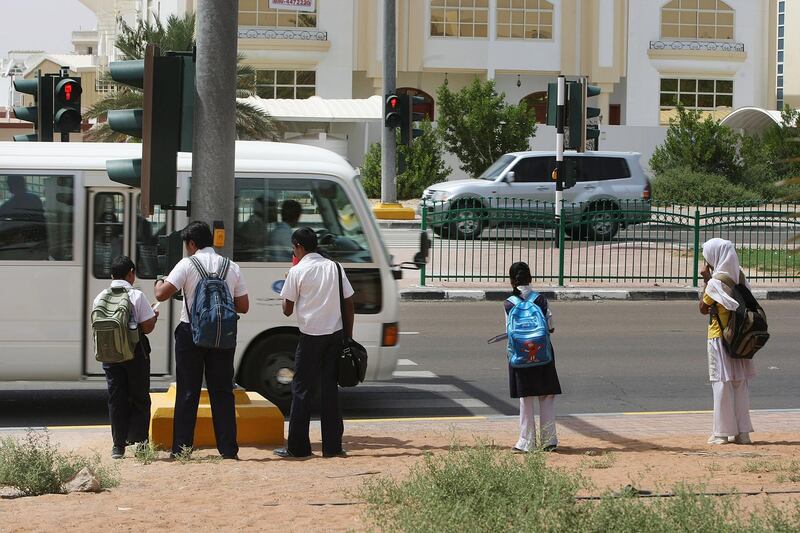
(714, 331)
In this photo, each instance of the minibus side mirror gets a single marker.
(421, 257)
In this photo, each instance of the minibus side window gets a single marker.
(109, 231)
(36, 217)
(269, 210)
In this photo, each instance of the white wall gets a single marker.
(644, 74)
(335, 69)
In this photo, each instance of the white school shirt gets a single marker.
(185, 277)
(313, 286)
(141, 312)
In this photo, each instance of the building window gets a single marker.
(705, 95)
(103, 86)
(258, 13)
(272, 83)
(697, 19)
(537, 103)
(524, 19)
(459, 18)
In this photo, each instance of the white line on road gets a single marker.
(424, 387)
(414, 374)
(406, 362)
(409, 333)
(469, 402)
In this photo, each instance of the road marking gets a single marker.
(409, 333)
(425, 387)
(469, 402)
(638, 413)
(421, 419)
(48, 428)
(406, 362)
(414, 374)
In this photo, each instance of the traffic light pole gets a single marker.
(214, 145)
(388, 137)
(560, 115)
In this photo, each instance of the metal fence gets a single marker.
(605, 242)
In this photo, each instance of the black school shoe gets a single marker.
(340, 453)
(117, 452)
(286, 454)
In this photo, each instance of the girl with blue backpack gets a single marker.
(532, 367)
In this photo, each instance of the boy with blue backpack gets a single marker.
(531, 361)
(214, 294)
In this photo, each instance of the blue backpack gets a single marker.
(213, 317)
(528, 335)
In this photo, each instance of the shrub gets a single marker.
(701, 145)
(685, 187)
(478, 126)
(424, 166)
(34, 466)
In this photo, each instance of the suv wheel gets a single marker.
(467, 220)
(599, 222)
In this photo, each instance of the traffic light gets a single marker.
(40, 114)
(552, 103)
(67, 105)
(578, 113)
(592, 131)
(164, 124)
(170, 251)
(408, 116)
(391, 112)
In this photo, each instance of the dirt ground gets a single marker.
(262, 492)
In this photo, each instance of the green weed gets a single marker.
(34, 466)
(606, 460)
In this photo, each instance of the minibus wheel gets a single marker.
(269, 369)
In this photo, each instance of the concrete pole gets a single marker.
(388, 139)
(213, 149)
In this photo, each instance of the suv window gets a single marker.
(602, 168)
(534, 169)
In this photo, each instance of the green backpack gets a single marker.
(114, 341)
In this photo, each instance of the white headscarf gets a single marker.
(721, 255)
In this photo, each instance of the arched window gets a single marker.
(697, 19)
(425, 107)
(537, 102)
(524, 19)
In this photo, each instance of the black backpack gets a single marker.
(746, 332)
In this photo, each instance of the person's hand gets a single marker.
(706, 273)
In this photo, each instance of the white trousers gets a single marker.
(527, 422)
(731, 408)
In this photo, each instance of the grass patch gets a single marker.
(145, 452)
(770, 260)
(34, 466)
(185, 457)
(760, 466)
(790, 472)
(479, 489)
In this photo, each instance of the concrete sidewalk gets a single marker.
(584, 293)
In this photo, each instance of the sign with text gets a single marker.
(297, 5)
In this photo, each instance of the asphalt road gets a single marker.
(611, 357)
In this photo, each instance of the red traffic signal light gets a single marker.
(67, 105)
(391, 116)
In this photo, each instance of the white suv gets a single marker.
(611, 191)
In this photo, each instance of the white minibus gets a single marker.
(62, 221)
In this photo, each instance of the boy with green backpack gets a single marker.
(121, 317)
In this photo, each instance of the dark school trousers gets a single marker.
(315, 370)
(129, 398)
(191, 361)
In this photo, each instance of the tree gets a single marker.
(701, 145)
(177, 35)
(424, 165)
(478, 126)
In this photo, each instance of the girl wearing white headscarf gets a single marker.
(729, 377)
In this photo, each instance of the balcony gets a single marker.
(295, 34)
(697, 50)
(310, 43)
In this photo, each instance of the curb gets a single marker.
(562, 294)
(399, 224)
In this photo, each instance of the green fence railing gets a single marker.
(606, 242)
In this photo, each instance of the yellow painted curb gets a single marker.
(258, 421)
(393, 212)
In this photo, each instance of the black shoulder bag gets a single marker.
(352, 363)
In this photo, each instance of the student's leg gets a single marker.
(118, 406)
(724, 413)
(189, 380)
(138, 373)
(219, 380)
(306, 380)
(547, 420)
(741, 402)
(527, 424)
(330, 415)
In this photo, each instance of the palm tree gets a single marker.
(177, 35)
